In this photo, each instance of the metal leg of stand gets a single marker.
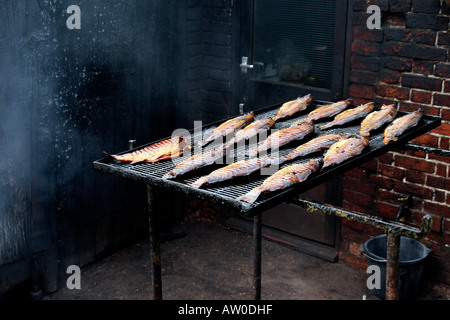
(392, 265)
(154, 246)
(257, 235)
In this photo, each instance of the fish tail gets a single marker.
(169, 175)
(200, 182)
(251, 196)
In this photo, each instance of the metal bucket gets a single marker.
(412, 257)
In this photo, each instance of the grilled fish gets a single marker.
(400, 125)
(284, 136)
(229, 126)
(195, 162)
(320, 143)
(345, 149)
(291, 107)
(376, 119)
(166, 149)
(329, 110)
(253, 129)
(237, 169)
(350, 115)
(282, 179)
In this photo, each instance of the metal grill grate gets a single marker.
(227, 192)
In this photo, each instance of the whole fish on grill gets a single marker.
(253, 129)
(329, 110)
(229, 126)
(400, 125)
(163, 150)
(284, 136)
(345, 149)
(282, 179)
(350, 115)
(237, 169)
(376, 119)
(195, 162)
(320, 143)
(292, 107)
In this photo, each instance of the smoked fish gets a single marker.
(282, 179)
(329, 110)
(195, 162)
(237, 169)
(163, 150)
(350, 115)
(345, 149)
(376, 119)
(320, 143)
(400, 125)
(284, 136)
(229, 126)
(253, 129)
(292, 107)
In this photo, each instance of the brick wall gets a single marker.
(406, 62)
(209, 29)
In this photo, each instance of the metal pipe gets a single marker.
(436, 151)
(257, 235)
(387, 225)
(392, 265)
(155, 251)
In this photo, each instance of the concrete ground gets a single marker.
(212, 262)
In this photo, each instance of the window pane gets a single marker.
(293, 41)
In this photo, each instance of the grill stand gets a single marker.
(393, 229)
(155, 251)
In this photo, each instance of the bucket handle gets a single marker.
(364, 253)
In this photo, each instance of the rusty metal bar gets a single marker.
(155, 251)
(392, 265)
(257, 236)
(436, 151)
(393, 229)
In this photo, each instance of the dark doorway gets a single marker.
(288, 49)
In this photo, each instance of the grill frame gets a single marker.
(220, 193)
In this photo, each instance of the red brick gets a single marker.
(371, 165)
(417, 154)
(428, 140)
(409, 107)
(447, 86)
(415, 190)
(443, 129)
(415, 176)
(439, 158)
(441, 99)
(365, 63)
(420, 96)
(357, 173)
(386, 158)
(381, 182)
(414, 164)
(383, 195)
(442, 70)
(422, 67)
(359, 185)
(396, 19)
(361, 91)
(421, 82)
(386, 210)
(365, 34)
(441, 170)
(444, 143)
(391, 172)
(439, 196)
(437, 209)
(389, 76)
(396, 92)
(365, 48)
(438, 182)
(357, 198)
(443, 38)
(363, 77)
(445, 114)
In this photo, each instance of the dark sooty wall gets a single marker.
(65, 96)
